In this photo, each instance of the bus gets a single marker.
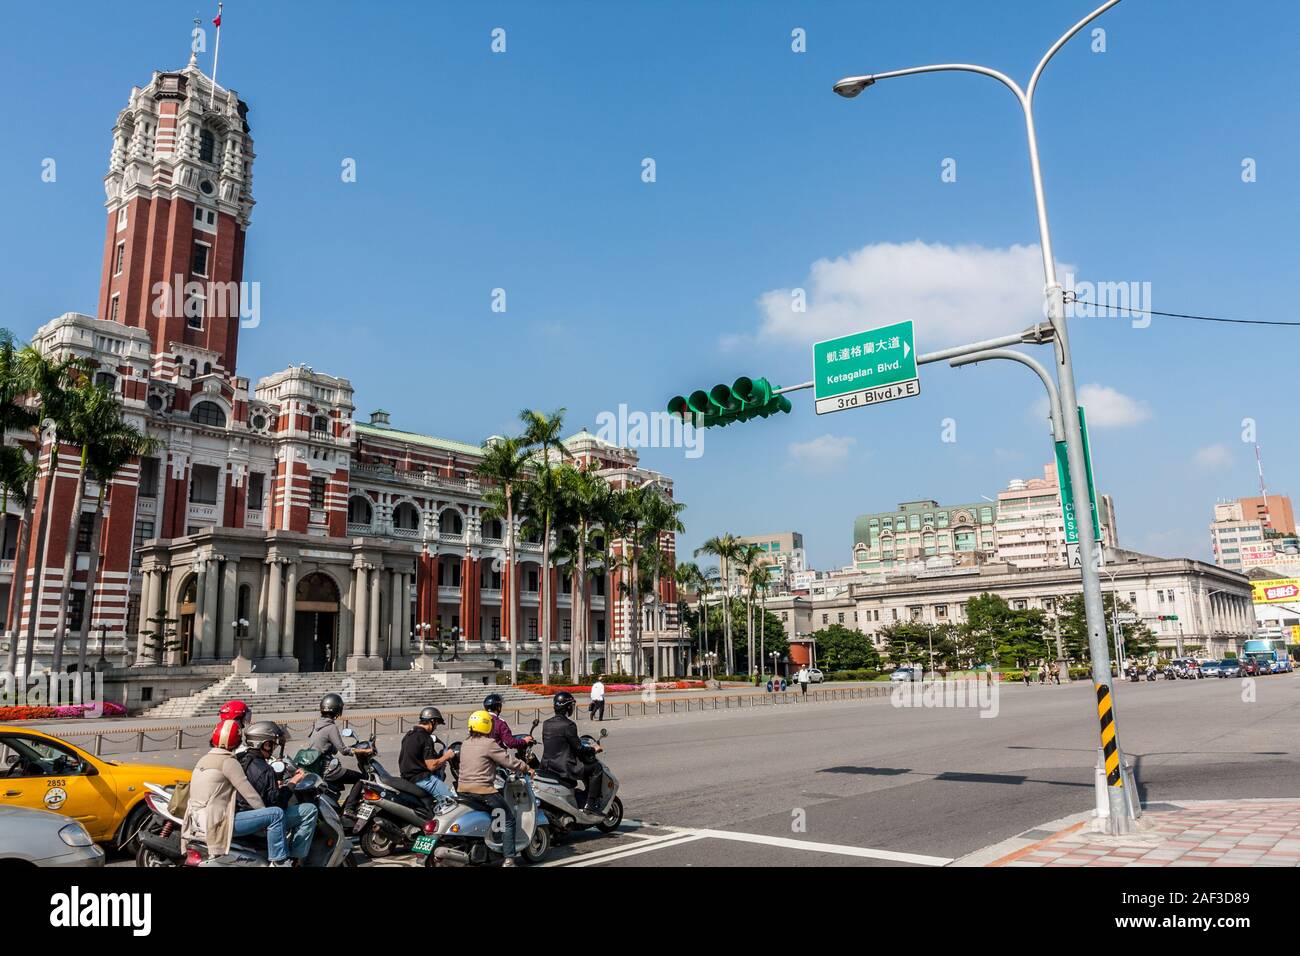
(1270, 653)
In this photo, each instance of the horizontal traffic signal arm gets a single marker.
(743, 399)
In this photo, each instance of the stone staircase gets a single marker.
(365, 690)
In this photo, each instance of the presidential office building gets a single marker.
(272, 523)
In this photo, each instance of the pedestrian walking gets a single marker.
(1056, 673)
(1027, 674)
(804, 677)
(596, 709)
(1042, 673)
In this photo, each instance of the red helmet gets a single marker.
(227, 735)
(235, 710)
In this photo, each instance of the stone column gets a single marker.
(290, 602)
(360, 617)
(225, 646)
(148, 584)
(395, 616)
(405, 619)
(372, 642)
(274, 603)
(258, 631)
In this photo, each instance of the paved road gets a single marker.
(866, 783)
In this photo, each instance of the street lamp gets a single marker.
(240, 633)
(420, 636)
(1120, 819)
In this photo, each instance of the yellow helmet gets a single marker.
(480, 722)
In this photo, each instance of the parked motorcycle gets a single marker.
(564, 803)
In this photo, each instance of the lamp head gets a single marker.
(851, 86)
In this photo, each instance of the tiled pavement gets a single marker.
(1190, 833)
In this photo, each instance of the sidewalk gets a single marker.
(1262, 832)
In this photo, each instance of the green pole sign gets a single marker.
(1071, 520)
(865, 368)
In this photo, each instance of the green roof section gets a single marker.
(415, 438)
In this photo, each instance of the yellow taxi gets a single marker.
(45, 773)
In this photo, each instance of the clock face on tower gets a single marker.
(206, 187)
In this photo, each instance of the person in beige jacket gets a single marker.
(210, 814)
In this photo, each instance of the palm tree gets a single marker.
(660, 517)
(543, 498)
(706, 584)
(17, 469)
(50, 382)
(586, 493)
(757, 579)
(108, 456)
(505, 464)
(542, 436)
(686, 576)
(632, 508)
(92, 416)
(749, 562)
(725, 547)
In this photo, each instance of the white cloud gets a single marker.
(1106, 407)
(1212, 457)
(825, 451)
(954, 294)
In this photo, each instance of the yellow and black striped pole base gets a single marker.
(1106, 714)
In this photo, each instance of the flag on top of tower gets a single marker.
(216, 21)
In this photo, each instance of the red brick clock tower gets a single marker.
(179, 199)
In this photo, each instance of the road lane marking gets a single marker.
(648, 843)
(841, 849)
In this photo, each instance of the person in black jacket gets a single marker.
(300, 818)
(562, 752)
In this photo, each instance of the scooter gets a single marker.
(393, 812)
(330, 844)
(564, 803)
(159, 840)
(464, 834)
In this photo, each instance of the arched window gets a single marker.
(406, 517)
(320, 424)
(208, 413)
(359, 510)
(493, 528)
(207, 145)
(449, 522)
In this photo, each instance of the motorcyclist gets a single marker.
(324, 737)
(563, 753)
(239, 712)
(500, 729)
(417, 762)
(262, 739)
(480, 756)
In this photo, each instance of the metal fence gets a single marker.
(166, 737)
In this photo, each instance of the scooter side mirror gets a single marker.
(349, 732)
(604, 732)
(278, 766)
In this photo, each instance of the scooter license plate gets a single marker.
(365, 811)
(424, 844)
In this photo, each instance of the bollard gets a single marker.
(180, 738)
(374, 726)
(1099, 786)
(139, 742)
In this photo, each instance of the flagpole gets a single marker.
(216, 55)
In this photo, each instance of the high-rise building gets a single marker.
(783, 552)
(1231, 531)
(270, 522)
(1273, 512)
(924, 533)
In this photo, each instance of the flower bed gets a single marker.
(54, 713)
(612, 688)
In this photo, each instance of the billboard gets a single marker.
(1275, 591)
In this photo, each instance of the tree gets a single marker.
(660, 515)
(108, 456)
(750, 563)
(505, 463)
(92, 417)
(687, 577)
(725, 548)
(542, 436)
(160, 640)
(995, 630)
(907, 640)
(17, 468)
(1139, 640)
(585, 493)
(48, 382)
(841, 648)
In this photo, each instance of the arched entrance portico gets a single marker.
(185, 612)
(315, 623)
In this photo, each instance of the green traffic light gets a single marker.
(721, 405)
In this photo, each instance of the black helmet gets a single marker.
(492, 702)
(431, 715)
(331, 705)
(564, 703)
(265, 730)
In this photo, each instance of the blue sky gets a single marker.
(523, 171)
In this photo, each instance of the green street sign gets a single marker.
(1071, 521)
(865, 368)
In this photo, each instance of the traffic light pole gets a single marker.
(1121, 811)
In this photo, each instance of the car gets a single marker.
(41, 772)
(1250, 669)
(45, 838)
(902, 674)
(1212, 669)
(815, 676)
(1230, 667)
